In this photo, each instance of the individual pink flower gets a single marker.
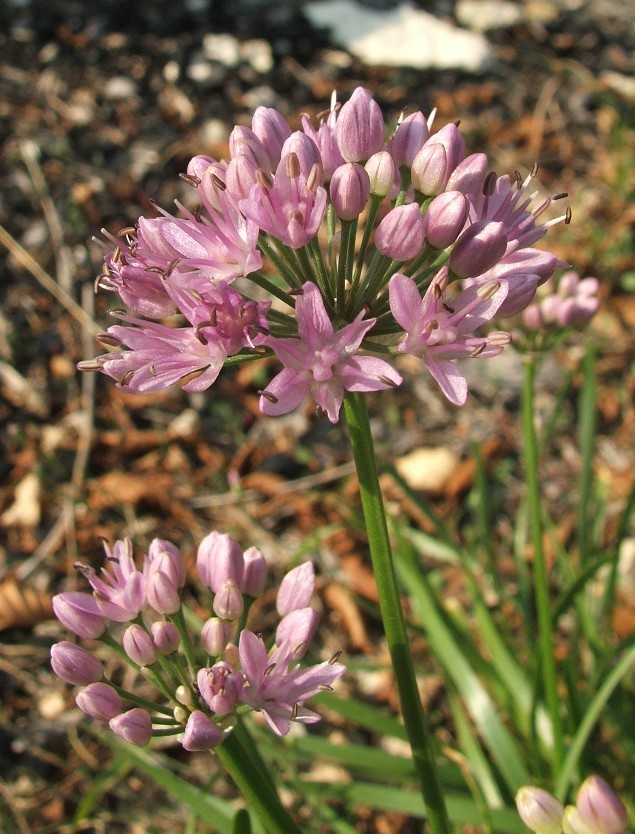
(79, 613)
(360, 127)
(74, 664)
(296, 589)
(323, 362)
(277, 689)
(220, 687)
(441, 330)
(119, 588)
(291, 207)
(134, 726)
(158, 357)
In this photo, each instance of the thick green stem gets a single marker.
(255, 787)
(541, 579)
(392, 616)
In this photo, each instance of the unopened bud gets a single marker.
(600, 807)
(228, 602)
(134, 726)
(139, 646)
(99, 701)
(539, 810)
(74, 664)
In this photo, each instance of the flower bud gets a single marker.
(305, 150)
(478, 249)
(80, 614)
(469, 175)
(350, 190)
(244, 142)
(165, 636)
(429, 172)
(228, 602)
(99, 701)
(600, 807)
(201, 733)
(138, 645)
(166, 557)
(381, 170)
(296, 589)
(162, 594)
(134, 726)
(272, 129)
(297, 628)
(540, 811)
(360, 127)
(219, 558)
(214, 636)
(240, 177)
(401, 233)
(255, 572)
(75, 665)
(445, 218)
(411, 135)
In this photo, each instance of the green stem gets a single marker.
(392, 615)
(541, 579)
(255, 787)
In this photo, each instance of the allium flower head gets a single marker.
(318, 220)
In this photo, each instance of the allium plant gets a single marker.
(204, 681)
(333, 250)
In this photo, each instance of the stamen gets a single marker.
(129, 230)
(335, 657)
(218, 182)
(190, 180)
(478, 350)
(108, 339)
(567, 216)
(269, 396)
(292, 164)
(88, 365)
(192, 375)
(388, 381)
(560, 196)
(125, 379)
(489, 185)
(448, 308)
(488, 290)
(263, 179)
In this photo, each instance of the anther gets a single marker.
(129, 230)
(125, 379)
(292, 164)
(388, 381)
(218, 182)
(263, 179)
(567, 216)
(269, 396)
(447, 308)
(190, 180)
(192, 375)
(478, 350)
(489, 185)
(108, 339)
(560, 196)
(335, 657)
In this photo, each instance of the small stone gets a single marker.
(483, 15)
(119, 88)
(258, 54)
(222, 48)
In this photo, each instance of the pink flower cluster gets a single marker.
(204, 679)
(445, 248)
(597, 810)
(568, 302)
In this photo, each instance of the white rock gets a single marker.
(483, 15)
(403, 36)
(257, 53)
(427, 469)
(222, 48)
(119, 88)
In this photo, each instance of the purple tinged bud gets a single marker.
(198, 165)
(75, 665)
(201, 733)
(79, 613)
(297, 629)
(296, 589)
(244, 142)
(382, 172)
(469, 175)
(401, 233)
(139, 646)
(411, 135)
(600, 807)
(540, 811)
(429, 172)
(360, 127)
(99, 701)
(306, 151)
(162, 594)
(228, 602)
(215, 635)
(165, 636)
(349, 190)
(532, 317)
(445, 218)
(272, 129)
(134, 726)
(240, 176)
(166, 557)
(219, 558)
(478, 249)
(255, 572)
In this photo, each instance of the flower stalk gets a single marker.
(390, 606)
(541, 577)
